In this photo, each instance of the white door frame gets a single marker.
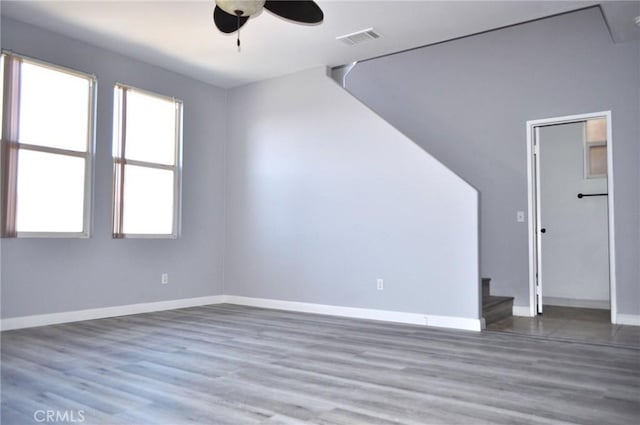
(532, 181)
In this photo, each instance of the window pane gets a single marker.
(148, 201)
(50, 192)
(597, 130)
(597, 161)
(150, 128)
(53, 108)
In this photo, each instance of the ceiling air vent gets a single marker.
(359, 37)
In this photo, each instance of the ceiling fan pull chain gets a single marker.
(238, 39)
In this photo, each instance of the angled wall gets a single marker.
(467, 102)
(41, 276)
(324, 197)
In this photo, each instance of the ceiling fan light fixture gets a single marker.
(230, 15)
(241, 7)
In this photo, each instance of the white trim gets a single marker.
(523, 311)
(50, 65)
(531, 222)
(531, 126)
(452, 322)
(148, 92)
(628, 319)
(613, 299)
(87, 155)
(361, 313)
(120, 162)
(100, 313)
(536, 167)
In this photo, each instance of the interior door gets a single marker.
(572, 222)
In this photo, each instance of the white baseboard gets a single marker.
(331, 310)
(628, 319)
(521, 310)
(361, 313)
(100, 313)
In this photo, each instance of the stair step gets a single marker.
(492, 300)
(496, 308)
(486, 282)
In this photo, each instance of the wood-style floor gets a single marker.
(227, 364)
(572, 323)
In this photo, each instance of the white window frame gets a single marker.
(119, 161)
(587, 155)
(587, 145)
(88, 155)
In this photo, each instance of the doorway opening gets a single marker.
(571, 213)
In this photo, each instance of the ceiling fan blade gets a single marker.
(307, 12)
(227, 23)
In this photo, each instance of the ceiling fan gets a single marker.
(231, 15)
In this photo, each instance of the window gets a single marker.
(47, 145)
(595, 148)
(146, 163)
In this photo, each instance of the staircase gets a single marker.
(494, 308)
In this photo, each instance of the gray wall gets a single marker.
(467, 102)
(324, 197)
(54, 275)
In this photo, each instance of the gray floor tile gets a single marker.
(570, 323)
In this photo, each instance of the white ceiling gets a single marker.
(180, 35)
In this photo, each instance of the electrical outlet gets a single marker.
(520, 216)
(380, 284)
(164, 279)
